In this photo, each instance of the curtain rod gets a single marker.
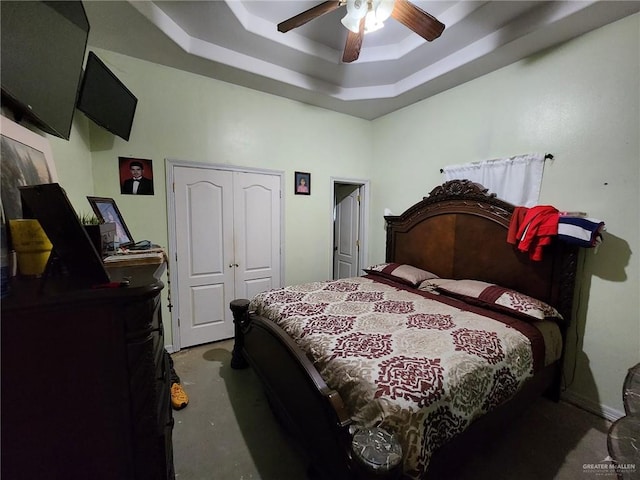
(547, 156)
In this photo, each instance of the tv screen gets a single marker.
(42, 51)
(105, 99)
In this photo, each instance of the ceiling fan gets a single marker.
(364, 16)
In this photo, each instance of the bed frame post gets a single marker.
(566, 280)
(240, 310)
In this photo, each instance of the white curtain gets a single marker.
(516, 179)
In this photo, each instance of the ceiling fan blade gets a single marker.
(354, 42)
(424, 24)
(307, 16)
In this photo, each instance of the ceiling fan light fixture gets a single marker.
(371, 22)
(356, 10)
(351, 23)
(383, 9)
(378, 11)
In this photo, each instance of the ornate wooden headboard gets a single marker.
(459, 231)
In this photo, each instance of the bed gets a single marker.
(436, 348)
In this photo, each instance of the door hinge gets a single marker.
(358, 243)
(358, 197)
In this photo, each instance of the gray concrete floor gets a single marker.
(227, 432)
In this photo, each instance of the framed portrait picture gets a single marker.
(136, 176)
(303, 183)
(26, 160)
(107, 212)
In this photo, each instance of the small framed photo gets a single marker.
(303, 183)
(107, 212)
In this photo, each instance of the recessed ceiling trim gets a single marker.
(265, 29)
(255, 65)
(161, 20)
(515, 32)
(260, 67)
(230, 57)
(548, 15)
(458, 12)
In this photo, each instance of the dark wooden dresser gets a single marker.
(85, 381)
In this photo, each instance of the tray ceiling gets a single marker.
(238, 42)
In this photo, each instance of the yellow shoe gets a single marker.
(179, 398)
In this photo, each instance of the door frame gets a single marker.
(363, 254)
(170, 165)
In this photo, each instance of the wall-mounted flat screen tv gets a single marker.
(105, 99)
(42, 52)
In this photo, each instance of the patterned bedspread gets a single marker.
(420, 368)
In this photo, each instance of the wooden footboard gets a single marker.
(308, 409)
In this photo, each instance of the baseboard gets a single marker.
(603, 411)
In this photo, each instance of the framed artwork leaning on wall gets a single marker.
(26, 160)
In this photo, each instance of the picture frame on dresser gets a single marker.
(107, 211)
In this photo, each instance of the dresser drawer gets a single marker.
(142, 317)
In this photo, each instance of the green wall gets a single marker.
(579, 101)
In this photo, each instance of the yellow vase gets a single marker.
(31, 244)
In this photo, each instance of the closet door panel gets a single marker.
(256, 233)
(205, 256)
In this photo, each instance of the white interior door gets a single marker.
(257, 233)
(205, 254)
(346, 231)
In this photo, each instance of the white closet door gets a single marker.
(205, 254)
(257, 233)
(227, 244)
